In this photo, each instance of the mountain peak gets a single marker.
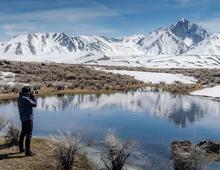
(184, 29)
(185, 20)
(183, 24)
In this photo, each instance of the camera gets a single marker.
(36, 92)
(33, 93)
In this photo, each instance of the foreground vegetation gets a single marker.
(10, 158)
(62, 152)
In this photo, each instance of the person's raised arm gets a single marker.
(31, 101)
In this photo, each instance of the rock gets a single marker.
(181, 152)
(209, 146)
(187, 156)
(181, 146)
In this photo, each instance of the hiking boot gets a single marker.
(29, 153)
(21, 150)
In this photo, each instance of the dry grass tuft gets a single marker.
(116, 152)
(2, 123)
(12, 134)
(66, 150)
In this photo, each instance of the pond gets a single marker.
(153, 119)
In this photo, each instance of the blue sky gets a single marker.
(114, 18)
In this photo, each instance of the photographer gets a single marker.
(26, 102)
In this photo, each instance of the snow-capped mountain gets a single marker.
(38, 43)
(175, 40)
(52, 43)
(169, 46)
(61, 43)
(188, 32)
(209, 46)
(162, 41)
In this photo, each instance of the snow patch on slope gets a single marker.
(188, 41)
(208, 92)
(155, 78)
(7, 78)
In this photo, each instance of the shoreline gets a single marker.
(50, 91)
(170, 88)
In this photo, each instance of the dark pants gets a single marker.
(26, 131)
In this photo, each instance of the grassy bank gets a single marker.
(10, 158)
(57, 78)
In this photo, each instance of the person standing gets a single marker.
(26, 102)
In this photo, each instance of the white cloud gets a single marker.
(212, 25)
(65, 14)
(180, 2)
(71, 20)
(183, 1)
(12, 29)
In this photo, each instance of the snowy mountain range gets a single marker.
(167, 45)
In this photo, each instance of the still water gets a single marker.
(153, 119)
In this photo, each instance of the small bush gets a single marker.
(65, 150)
(12, 134)
(36, 86)
(59, 86)
(116, 151)
(2, 123)
(70, 76)
(16, 88)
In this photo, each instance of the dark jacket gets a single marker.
(25, 107)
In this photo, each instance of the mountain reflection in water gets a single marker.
(181, 109)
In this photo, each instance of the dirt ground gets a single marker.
(11, 159)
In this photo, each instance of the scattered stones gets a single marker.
(187, 156)
(209, 146)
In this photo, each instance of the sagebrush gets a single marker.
(65, 150)
(12, 134)
(116, 151)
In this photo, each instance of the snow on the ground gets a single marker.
(155, 78)
(208, 92)
(7, 78)
(149, 61)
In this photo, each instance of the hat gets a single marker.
(26, 89)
